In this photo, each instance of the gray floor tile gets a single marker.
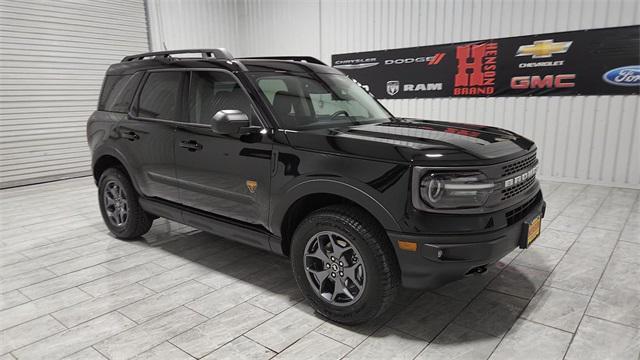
(241, 348)
(63, 282)
(353, 335)
(527, 340)
(90, 309)
(86, 261)
(491, 313)
(617, 297)
(171, 278)
(557, 239)
(314, 346)
(29, 332)
(86, 354)
(77, 338)
(165, 350)
(25, 279)
(626, 252)
(212, 334)
(115, 281)
(388, 344)
(38, 263)
(539, 257)
(285, 328)
(519, 281)
(568, 224)
(11, 299)
(460, 343)
(598, 339)
(577, 274)
(427, 316)
(224, 299)
(169, 299)
(470, 286)
(558, 308)
(279, 298)
(37, 308)
(150, 334)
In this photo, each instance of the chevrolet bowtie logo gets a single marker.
(544, 49)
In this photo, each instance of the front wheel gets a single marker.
(119, 206)
(344, 264)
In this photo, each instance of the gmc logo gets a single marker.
(546, 82)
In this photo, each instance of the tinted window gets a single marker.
(117, 92)
(302, 101)
(212, 91)
(159, 97)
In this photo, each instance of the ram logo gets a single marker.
(521, 178)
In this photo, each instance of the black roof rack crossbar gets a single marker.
(220, 54)
(309, 59)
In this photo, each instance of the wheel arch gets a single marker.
(311, 195)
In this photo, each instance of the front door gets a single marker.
(227, 175)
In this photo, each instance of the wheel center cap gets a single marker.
(334, 267)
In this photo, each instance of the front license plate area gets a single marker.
(530, 231)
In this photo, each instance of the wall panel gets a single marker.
(591, 139)
(53, 56)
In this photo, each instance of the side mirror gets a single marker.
(229, 122)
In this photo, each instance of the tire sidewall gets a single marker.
(114, 174)
(369, 302)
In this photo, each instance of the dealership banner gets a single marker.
(586, 62)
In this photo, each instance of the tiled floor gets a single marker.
(70, 290)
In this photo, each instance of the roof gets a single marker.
(217, 58)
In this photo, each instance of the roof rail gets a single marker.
(309, 59)
(220, 54)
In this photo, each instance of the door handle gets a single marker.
(191, 145)
(130, 135)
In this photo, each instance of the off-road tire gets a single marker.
(371, 241)
(138, 221)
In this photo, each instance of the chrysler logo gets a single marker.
(544, 49)
(393, 87)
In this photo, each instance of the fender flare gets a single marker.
(334, 187)
(115, 153)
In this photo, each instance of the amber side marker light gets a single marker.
(407, 245)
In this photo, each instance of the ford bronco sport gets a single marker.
(291, 156)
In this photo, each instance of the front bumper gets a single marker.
(440, 259)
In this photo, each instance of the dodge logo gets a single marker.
(393, 87)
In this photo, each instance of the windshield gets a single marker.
(310, 101)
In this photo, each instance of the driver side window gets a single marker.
(212, 91)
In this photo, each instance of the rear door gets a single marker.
(147, 135)
(227, 175)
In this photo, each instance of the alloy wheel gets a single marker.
(115, 203)
(334, 268)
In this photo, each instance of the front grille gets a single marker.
(517, 214)
(519, 165)
(517, 189)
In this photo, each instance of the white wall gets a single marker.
(591, 139)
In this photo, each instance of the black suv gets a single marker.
(289, 155)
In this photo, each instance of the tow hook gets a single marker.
(478, 270)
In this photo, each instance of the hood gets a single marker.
(417, 141)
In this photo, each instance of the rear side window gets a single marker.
(159, 96)
(117, 92)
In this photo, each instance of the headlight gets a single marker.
(455, 190)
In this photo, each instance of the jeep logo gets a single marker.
(521, 178)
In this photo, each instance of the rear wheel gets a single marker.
(119, 206)
(344, 264)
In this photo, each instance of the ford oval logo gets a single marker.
(623, 76)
